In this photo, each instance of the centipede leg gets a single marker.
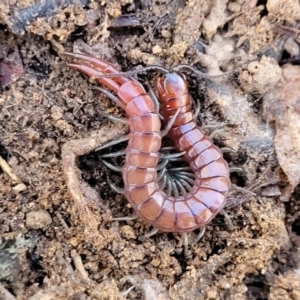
(197, 110)
(177, 159)
(240, 189)
(170, 124)
(124, 218)
(236, 169)
(227, 150)
(162, 165)
(185, 244)
(200, 234)
(147, 235)
(114, 142)
(114, 154)
(111, 166)
(110, 96)
(233, 202)
(162, 181)
(168, 148)
(155, 100)
(161, 174)
(171, 156)
(173, 186)
(169, 185)
(114, 187)
(179, 169)
(186, 184)
(216, 132)
(189, 179)
(125, 293)
(115, 118)
(227, 219)
(183, 191)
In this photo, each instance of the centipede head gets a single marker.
(171, 85)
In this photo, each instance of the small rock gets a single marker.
(127, 232)
(56, 112)
(38, 219)
(292, 47)
(166, 33)
(56, 115)
(156, 49)
(19, 188)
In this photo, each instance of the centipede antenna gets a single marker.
(111, 166)
(238, 188)
(114, 142)
(110, 96)
(147, 235)
(201, 74)
(185, 244)
(160, 69)
(236, 169)
(170, 124)
(200, 234)
(227, 219)
(114, 118)
(171, 156)
(227, 150)
(114, 154)
(156, 68)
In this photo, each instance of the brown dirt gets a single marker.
(57, 240)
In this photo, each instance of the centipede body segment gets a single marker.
(212, 183)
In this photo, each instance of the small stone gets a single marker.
(211, 294)
(56, 112)
(234, 7)
(39, 219)
(19, 188)
(56, 115)
(166, 33)
(292, 47)
(127, 232)
(156, 49)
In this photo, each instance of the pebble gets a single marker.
(39, 219)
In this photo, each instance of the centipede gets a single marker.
(167, 213)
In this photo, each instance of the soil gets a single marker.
(57, 236)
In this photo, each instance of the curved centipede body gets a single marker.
(166, 213)
(212, 183)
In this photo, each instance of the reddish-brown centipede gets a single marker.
(166, 213)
